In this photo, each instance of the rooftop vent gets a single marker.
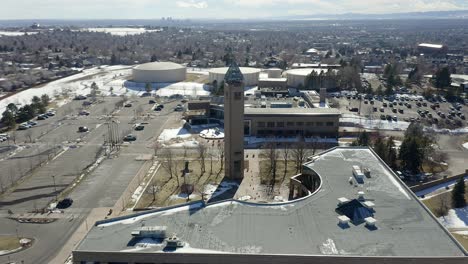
(360, 195)
(342, 200)
(367, 173)
(343, 220)
(369, 204)
(370, 222)
(150, 232)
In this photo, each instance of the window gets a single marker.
(271, 124)
(280, 124)
(330, 124)
(310, 124)
(261, 124)
(237, 96)
(290, 124)
(299, 123)
(319, 124)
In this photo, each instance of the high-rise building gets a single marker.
(234, 122)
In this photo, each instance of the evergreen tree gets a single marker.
(45, 99)
(148, 87)
(411, 155)
(391, 154)
(379, 148)
(8, 119)
(442, 78)
(458, 194)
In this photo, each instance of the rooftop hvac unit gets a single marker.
(360, 195)
(342, 200)
(370, 221)
(367, 172)
(343, 220)
(357, 173)
(174, 242)
(369, 204)
(150, 232)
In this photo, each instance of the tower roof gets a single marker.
(234, 74)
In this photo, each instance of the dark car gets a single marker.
(65, 203)
(151, 101)
(157, 109)
(129, 138)
(83, 129)
(139, 127)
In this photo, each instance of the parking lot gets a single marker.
(413, 109)
(75, 153)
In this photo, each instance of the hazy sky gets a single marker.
(148, 9)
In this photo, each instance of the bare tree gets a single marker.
(156, 147)
(29, 135)
(285, 153)
(139, 110)
(443, 205)
(299, 154)
(168, 162)
(201, 149)
(271, 153)
(220, 154)
(211, 157)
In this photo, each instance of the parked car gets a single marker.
(139, 127)
(157, 109)
(42, 117)
(32, 123)
(83, 129)
(24, 126)
(128, 104)
(151, 101)
(130, 137)
(65, 203)
(181, 108)
(86, 103)
(80, 97)
(84, 113)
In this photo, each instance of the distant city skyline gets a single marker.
(212, 9)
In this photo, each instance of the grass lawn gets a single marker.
(167, 186)
(434, 203)
(267, 177)
(9, 243)
(463, 239)
(434, 169)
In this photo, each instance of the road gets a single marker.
(102, 187)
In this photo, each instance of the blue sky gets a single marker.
(149, 9)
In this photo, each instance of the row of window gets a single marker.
(293, 124)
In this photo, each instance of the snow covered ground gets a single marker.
(15, 33)
(72, 85)
(465, 145)
(190, 89)
(175, 133)
(373, 123)
(456, 218)
(122, 31)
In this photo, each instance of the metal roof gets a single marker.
(234, 74)
(152, 66)
(304, 227)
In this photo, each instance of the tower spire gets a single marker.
(234, 74)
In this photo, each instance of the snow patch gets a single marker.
(465, 145)
(176, 133)
(329, 247)
(456, 218)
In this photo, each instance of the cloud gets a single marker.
(192, 4)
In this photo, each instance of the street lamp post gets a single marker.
(55, 187)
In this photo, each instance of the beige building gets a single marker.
(233, 120)
(308, 122)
